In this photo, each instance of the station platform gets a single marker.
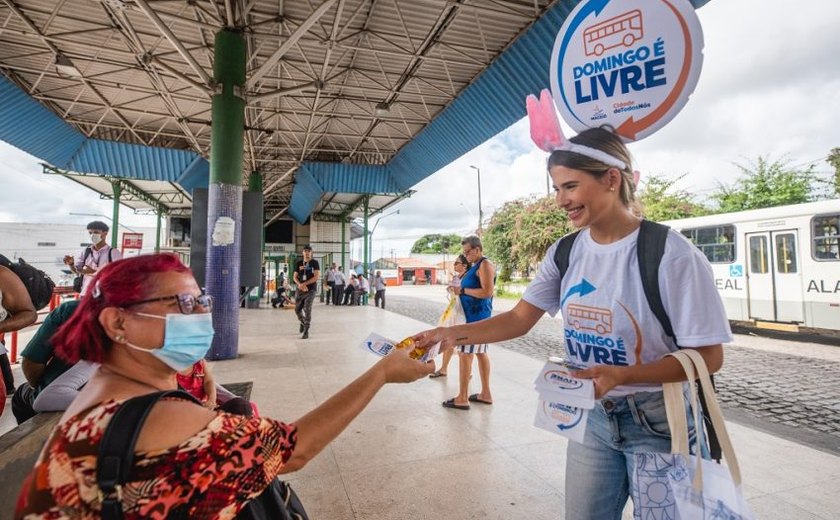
(406, 457)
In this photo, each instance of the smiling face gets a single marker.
(587, 200)
(460, 268)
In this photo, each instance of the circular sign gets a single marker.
(630, 64)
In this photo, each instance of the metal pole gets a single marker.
(343, 241)
(224, 211)
(157, 233)
(365, 255)
(117, 187)
(480, 212)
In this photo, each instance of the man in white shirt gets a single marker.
(379, 286)
(95, 256)
(338, 289)
(331, 282)
(363, 288)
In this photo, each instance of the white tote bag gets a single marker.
(680, 485)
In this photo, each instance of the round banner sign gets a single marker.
(630, 64)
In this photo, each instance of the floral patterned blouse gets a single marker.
(215, 472)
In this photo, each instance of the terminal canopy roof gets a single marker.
(343, 97)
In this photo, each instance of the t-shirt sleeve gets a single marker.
(315, 265)
(39, 349)
(545, 291)
(690, 297)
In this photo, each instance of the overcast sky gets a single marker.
(770, 85)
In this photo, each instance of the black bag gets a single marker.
(116, 458)
(78, 281)
(38, 284)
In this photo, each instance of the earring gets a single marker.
(119, 339)
(612, 188)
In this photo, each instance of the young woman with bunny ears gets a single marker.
(625, 357)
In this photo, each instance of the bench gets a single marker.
(20, 447)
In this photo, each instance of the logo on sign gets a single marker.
(736, 270)
(631, 64)
(561, 380)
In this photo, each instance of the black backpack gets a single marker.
(650, 248)
(78, 281)
(38, 284)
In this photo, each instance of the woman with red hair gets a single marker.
(144, 319)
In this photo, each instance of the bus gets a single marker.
(582, 317)
(775, 268)
(624, 29)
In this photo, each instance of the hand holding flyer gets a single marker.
(564, 402)
(382, 346)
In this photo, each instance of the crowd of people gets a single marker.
(143, 326)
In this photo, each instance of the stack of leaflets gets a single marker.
(382, 346)
(564, 402)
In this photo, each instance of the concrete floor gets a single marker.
(406, 457)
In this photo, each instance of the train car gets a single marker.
(775, 268)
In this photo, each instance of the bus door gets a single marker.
(774, 281)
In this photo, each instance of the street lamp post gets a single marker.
(480, 212)
(370, 241)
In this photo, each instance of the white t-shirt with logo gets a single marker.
(606, 317)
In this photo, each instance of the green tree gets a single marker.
(538, 226)
(437, 243)
(497, 240)
(763, 184)
(661, 201)
(834, 160)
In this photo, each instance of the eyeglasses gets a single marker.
(187, 303)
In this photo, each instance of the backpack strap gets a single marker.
(564, 252)
(650, 249)
(116, 448)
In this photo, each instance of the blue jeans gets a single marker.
(598, 471)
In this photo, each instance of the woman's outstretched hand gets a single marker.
(428, 338)
(399, 368)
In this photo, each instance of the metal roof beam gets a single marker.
(167, 32)
(290, 42)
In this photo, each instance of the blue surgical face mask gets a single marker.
(186, 339)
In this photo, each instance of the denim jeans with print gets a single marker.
(599, 470)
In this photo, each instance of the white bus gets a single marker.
(775, 268)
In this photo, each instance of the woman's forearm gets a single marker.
(319, 427)
(668, 369)
(507, 325)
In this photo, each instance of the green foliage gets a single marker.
(834, 160)
(763, 184)
(521, 231)
(437, 243)
(496, 239)
(537, 227)
(660, 201)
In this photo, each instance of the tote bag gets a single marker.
(680, 485)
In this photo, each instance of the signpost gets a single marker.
(629, 64)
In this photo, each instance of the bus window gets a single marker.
(785, 253)
(758, 255)
(717, 242)
(826, 236)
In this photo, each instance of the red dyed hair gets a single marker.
(117, 284)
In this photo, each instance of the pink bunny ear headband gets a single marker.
(548, 136)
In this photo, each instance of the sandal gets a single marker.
(475, 399)
(437, 373)
(450, 403)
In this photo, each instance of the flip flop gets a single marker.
(475, 399)
(451, 404)
(437, 373)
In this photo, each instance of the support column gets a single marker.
(255, 184)
(157, 232)
(224, 205)
(365, 255)
(115, 214)
(344, 244)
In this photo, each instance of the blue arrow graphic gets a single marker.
(593, 6)
(583, 288)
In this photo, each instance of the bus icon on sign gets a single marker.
(582, 317)
(624, 29)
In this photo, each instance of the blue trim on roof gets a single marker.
(492, 103)
(46, 136)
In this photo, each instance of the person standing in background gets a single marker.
(95, 256)
(340, 282)
(306, 276)
(379, 286)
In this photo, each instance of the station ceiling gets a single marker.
(343, 97)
